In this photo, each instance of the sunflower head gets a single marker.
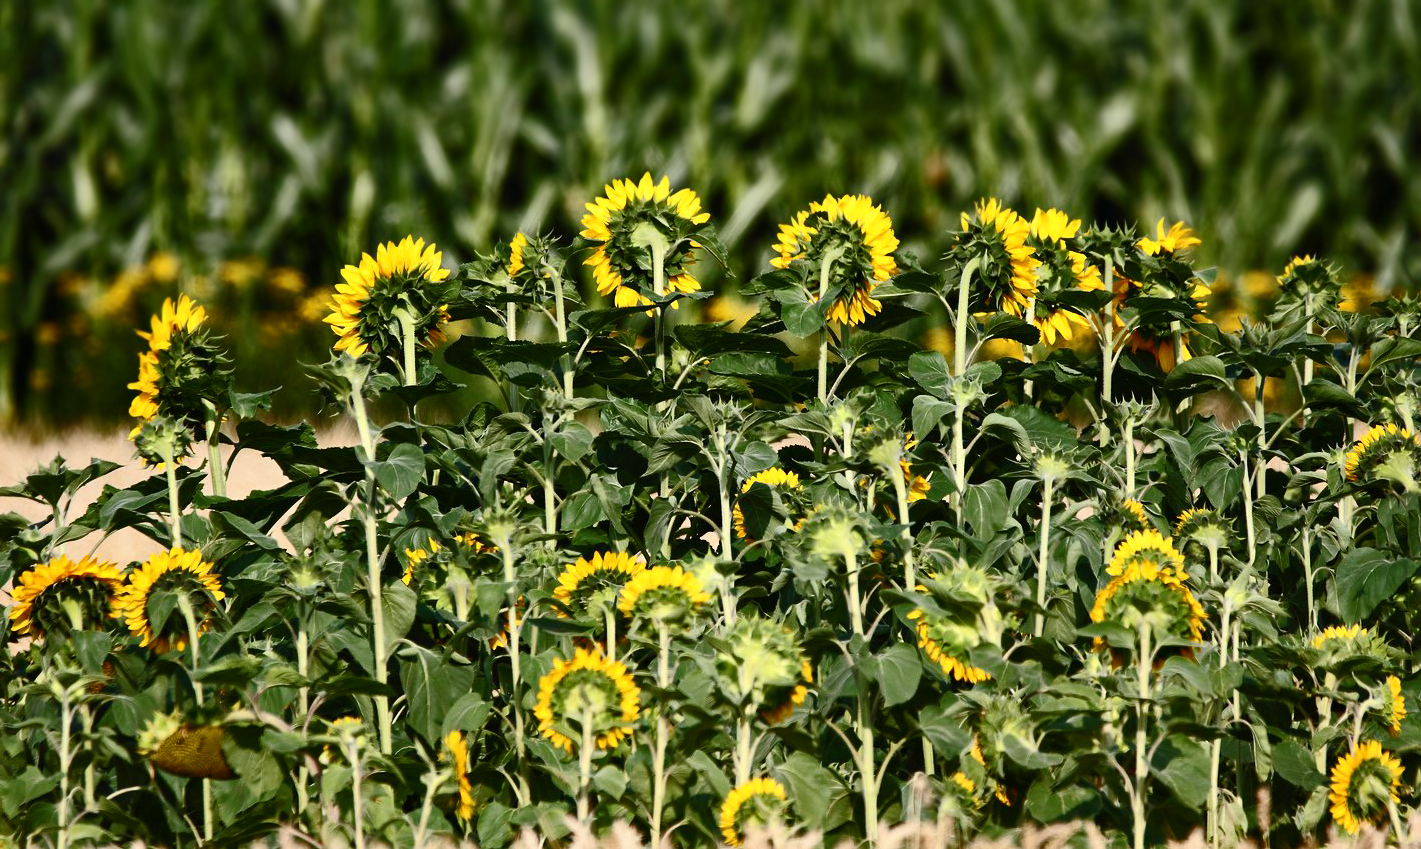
(150, 601)
(1130, 516)
(1393, 704)
(403, 284)
(1063, 268)
(588, 688)
(59, 596)
(190, 751)
(624, 224)
(999, 240)
(1177, 238)
(1147, 546)
(457, 750)
(1309, 281)
(1202, 527)
(1340, 643)
(775, 478)
(348, 732)
(755, 804)
(182, 368)
(1362, 785)
(666, 595)
(854, 239)
(430, 560)
(961, 616)
(761, 666)
(1386, 453)
(1147, 592)
(591, 585)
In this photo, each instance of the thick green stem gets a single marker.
(1107, 349)
(1213, 562)
(1258, 417)
(1216, 747)
(868, 773)
(959, 329)
(1043, 551)
(1143, 663)
(560, 313)
(372, 564)
(743, 751)
(584, 770)
(851, 565)
(658, 285)
(1129, 439)
(303, 704)
(431, 783)
(66, 718)
(959, 459)
(352, 754)
(727, 523)
(1308, 578)
(609, 616)
(900, 490)
(216, 471)
(515, 631)
(194, 637)
(175, 515)
(826, 267)
(407, 345)
(663, 730)
(1248, 507)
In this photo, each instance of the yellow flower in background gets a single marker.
(1363, 784)
(779, 713)
(1146, 588)
(620, 266)
(1148, 545)
(774, 477)
(174, 571)
(588, 688)
(862, 235)
(757, 802)
(662, 594)
(605, 573)
(458, 749)
(44, 594)
(1395, 708)
(1177, 238)
(362, 307)
(1059, 269)
(1338, 633)
(1386, 451)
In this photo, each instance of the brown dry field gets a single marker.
(23, 452)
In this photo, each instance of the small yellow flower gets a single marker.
(1060, 269)
(937, 638)
(998, 237)
(861, 232)
(1395, 708)
(40, 594)
(1177, 238)
(184, 316)
(591, 688)
(515, 254)
(758, 802)
(176, 571)
(1377, 446)
(1363, 784)
(1340, 633)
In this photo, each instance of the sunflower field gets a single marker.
(1082, 554)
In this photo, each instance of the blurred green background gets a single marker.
(245, 151)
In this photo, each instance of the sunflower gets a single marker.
(757, 802)
(760, 664)
(997, 237)
(515, 254)
(61, 595)
(182, 372)
(1339, 633)
(589, 687)
(621, 265)
(965, 794)
(859, 234)
(1386, 452)
(1394, 707)
(997, 789)
(1363, 784)
(1202, 527)
(418, 558)
(589, 585)
(773, 477)
(174, 571)
(400, 280)
(1148, 545)
(939, 638)
(190, 751)
(1061, 269)
(1136, 519)
(459, 755)
(1177, 238)
(1153, 592)
(351, 728)
(665, 594)
(174, 322)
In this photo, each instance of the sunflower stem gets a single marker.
(658, 286)
(1129, 439)
(727, 524)
(826, 267)
(1395, 816)
(1308, 578)
(959, 459)
(663, 680)
(190, 619)
(175, 521)
(515, 633)
(959, 330)
(851, 565)
(868, 775)
(1258, 417)
(1247, 506)
(900, 490)
(216, 471)
(372, 564)
(1143, 662)
(1048, 484)
(303, 702)
(1216, 746)
(584, 769)
(1107, 351)
(352, 754)
(609, 615)
(743, 751)
(431, 783)
(408, 346)
(66, 717)
(560, 311)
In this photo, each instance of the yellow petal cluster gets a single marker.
(730, 825)
(35, 582)
(132, 604)
(875, 227)
(616, 726)
(410, 258)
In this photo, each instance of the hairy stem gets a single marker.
(1048, 490)
(372, 564)
(959, 328)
